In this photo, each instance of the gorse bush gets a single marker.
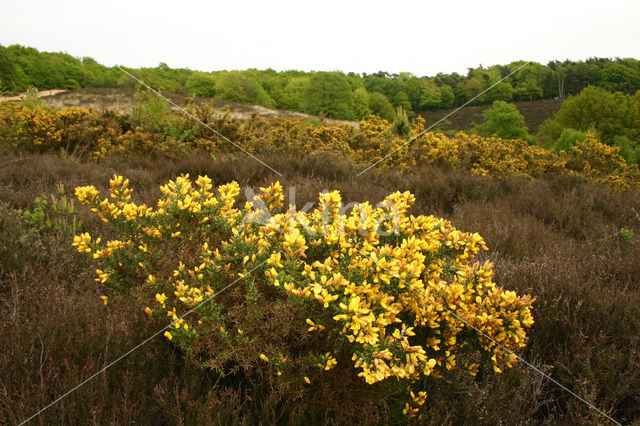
(68, 130)
(154, 129)
(401, 299)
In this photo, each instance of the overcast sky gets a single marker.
(421, 37)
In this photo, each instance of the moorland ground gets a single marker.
(556, 237)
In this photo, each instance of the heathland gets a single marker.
(117, 223)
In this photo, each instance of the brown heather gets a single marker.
(556, 237)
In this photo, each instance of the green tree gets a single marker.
(430, 95)
(500, 92)
(594, 108)
(274, 84)
(201, 84)
(534, 81)
(528, 90)
(629, 150)
(329, 93)
(381, 83)
(413, 89)
(107, 77)
(568, 139)
(447, 97)
(401, 99)
(293, 96)
(361, 103)
(472, 88)
(617, 77)
(22, 67)
(235, 86)
(503, 120)
(380, 106)
(7, 71)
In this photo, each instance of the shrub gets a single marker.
(503, 120)
(380, 106)
(628, 150)
(154, 129)
(393, 295)
(56, 212)
(610, 114)
(568, 139)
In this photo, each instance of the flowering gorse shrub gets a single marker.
(155, 129)
(599, 162)
(66, 129)
(391, 295)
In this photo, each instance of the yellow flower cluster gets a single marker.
(401, 295)
(401, 288)
(591, 159)
(54, 129)
(87, 131)
(40, 126)
(602, 163)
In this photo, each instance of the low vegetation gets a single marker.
(397, 297)
(153, 129)
(568, 242)
(337, 298)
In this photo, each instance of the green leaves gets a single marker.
(329, 93)
(503, 120)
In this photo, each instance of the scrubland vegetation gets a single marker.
(153, 129)
(115, 225)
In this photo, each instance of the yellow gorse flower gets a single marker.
(41, 129)
(399, 291)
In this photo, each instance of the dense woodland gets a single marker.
(335, 94)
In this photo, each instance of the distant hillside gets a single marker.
(122, 100)
(534, 112)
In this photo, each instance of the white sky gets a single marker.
(421, 37)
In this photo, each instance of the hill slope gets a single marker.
(535, 113)
(122, 100)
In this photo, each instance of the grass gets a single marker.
(556, 238)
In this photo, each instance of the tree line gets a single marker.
(613, 118)
(339, 95)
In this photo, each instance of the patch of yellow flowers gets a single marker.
(400, 295)
(54, 129)
(85, 130)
